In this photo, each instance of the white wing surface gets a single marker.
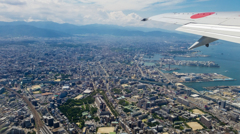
(211, 25)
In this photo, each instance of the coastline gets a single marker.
(228, 61)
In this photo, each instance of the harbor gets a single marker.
(177, 77)
(225, 56)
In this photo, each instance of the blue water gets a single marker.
(149, 64)
(226, 54)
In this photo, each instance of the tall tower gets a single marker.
(223, 104)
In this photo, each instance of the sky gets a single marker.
(114, 12)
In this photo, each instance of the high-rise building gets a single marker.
(234, 116)
(188, 92)
(32, 119)
(27, 123)
(52, 104)
(34, 102)
(223, 104)
(16, 130)
(183, 101)
(100, 103)
(204, 120)
(56, 124)
(136, 114)
(146, 105)
(139, 122)
(63, 94)
(50, 121)
(2, 90)
(59, 100)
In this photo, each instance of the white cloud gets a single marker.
(114, 5)
(80, 12)
(3, 18)
(13, 2)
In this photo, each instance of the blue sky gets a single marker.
(194, 6)
(114, 12)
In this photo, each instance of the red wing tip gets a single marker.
(201, 15)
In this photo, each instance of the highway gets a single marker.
(140, 69)
(41, 128)
(94, 86)
(107, 86)
(103, 69)
(164, 75)
(109, 92)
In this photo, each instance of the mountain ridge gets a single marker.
(52, 29)
(31, 31)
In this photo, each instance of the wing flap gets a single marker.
(228, 33)
(202, 41)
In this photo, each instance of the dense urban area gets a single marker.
(102, 84)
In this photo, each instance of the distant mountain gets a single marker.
(52, 29)
(26, 30)
(42, 24)
(66, 26)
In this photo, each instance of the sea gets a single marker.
(225, 54)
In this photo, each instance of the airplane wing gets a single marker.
(210, 25)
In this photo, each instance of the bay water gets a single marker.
(225, 54)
